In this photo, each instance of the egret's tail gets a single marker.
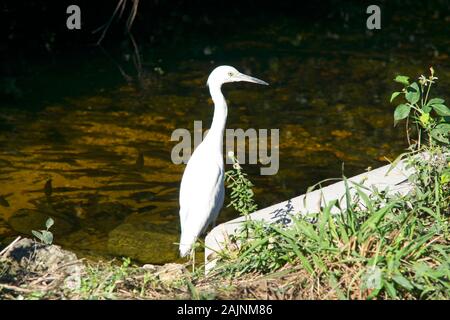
(186, 244)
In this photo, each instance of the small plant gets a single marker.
(429, 115)
(45, 236)
(242, 196)
(101, 280)
(430, 160)
(381, 245)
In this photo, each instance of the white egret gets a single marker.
(202, 186)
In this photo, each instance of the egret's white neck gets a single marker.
(215, 134)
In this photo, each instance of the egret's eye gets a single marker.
(230, 74)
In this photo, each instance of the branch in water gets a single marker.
(121, 4)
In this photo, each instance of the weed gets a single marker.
(380, 245)
(45, 236)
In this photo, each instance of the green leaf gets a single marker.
(324, 219)
(364, 198)
(402, 79)
(255, 245)
(394, 95)
(441, 132)
(37, 234)
(445, 178)
(372, 222)
(304, 261)
(441, 110)
(401, 112)
(396, 161)
(390, 289)
(401, 280)
(47, 237)
(427, 109)
(444, 128)
(435, 101)
(318, 262)
(49, 223)
(412, 93)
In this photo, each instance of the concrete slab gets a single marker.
(384, 177)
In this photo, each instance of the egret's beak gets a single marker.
(244, 77)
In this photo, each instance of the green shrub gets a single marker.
(381, 245)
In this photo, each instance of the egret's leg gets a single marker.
(193, 258)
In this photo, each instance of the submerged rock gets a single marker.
(143, 242)
(26, 220)
(105, 216)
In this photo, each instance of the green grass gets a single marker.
(370, 244)
(379, 245)
(381, 251)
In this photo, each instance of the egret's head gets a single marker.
(225, 74)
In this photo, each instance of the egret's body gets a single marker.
(202, 186)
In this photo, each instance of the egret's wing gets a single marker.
(219, 204)
(200, 191)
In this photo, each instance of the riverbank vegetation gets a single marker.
(371, 244)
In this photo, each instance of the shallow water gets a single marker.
(79, 124)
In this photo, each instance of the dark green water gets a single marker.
(75, 120)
